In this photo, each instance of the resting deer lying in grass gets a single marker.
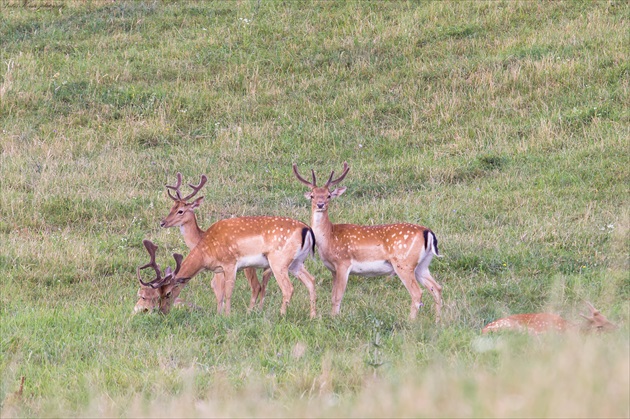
(537, 323)
(347, 249)
(229, 245)
(182, 215)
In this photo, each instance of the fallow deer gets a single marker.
(182, 215)
(347, 249)
(229, 245)
(537, 323)
(149, 299)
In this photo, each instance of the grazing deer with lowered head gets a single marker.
(537, 323)
(149, 299)
(182, 215)
(229, 245)
(347, 249)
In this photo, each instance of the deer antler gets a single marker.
(168, 273)
(304, 181)
(332, 182)
(178, 261)
(151, 248)
(178, 194)
(197, 188)
(175, 188)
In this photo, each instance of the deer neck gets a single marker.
(322, 228)
(191, 265)
(191, 232)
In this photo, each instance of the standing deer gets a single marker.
(537, 323)
(229, 245)
(347, 249)
(182, 215)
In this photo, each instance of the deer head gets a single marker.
(597, 321)
(182, 210)
(321, 196)
(161, 289)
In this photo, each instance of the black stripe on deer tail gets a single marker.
(305, 231)
(435, 240)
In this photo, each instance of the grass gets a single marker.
(501, 126)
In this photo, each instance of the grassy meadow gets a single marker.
(503, 126)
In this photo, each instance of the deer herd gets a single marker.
(280, 245)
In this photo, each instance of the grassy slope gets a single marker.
(502, 126)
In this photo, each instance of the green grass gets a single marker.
(502, 126)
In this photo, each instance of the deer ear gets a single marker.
(338, 192)
(308, 195)
(196, 203)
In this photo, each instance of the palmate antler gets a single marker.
(168, 273)
(178, 195)
(330, 182)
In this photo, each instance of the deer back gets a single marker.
(234, 238)
(533, 323)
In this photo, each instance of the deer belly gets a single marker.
(254, 261)
(371, 268)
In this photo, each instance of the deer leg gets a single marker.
(265, 280)
(252, 278)
(408, 279)
(218, 286)
(230, 278)
(308, 280)
(281, 272)
(340, 282)
(425, 278)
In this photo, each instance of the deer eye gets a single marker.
(180, 212)
(329, 196)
